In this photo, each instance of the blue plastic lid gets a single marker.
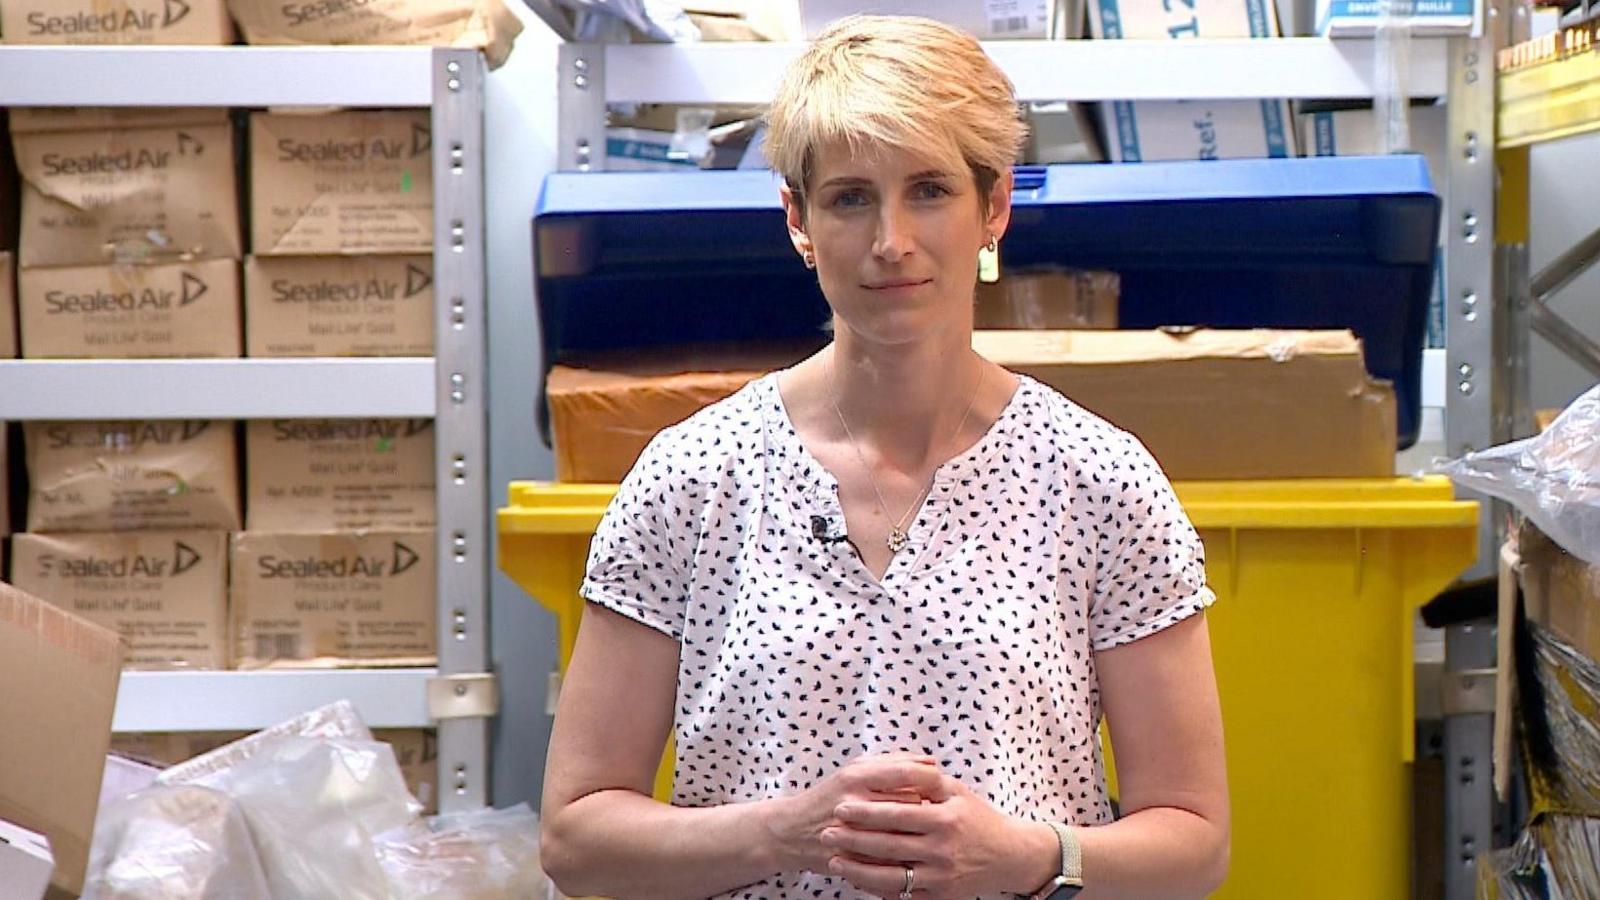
(635, 259)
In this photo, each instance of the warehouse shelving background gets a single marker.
(457, 696)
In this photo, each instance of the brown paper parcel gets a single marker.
(60, 673)
(334, 599)
(339, 474)
(141, 195)
(475, 24)
(115, 22)
(120, 312)
(119, 476)
(165, 592)
(338, 305)
(1221, 404)
(348, 183)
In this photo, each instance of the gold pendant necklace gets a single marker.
(897, 530)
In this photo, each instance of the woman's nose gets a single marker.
(893, 238)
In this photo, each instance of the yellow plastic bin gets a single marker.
(1318, 585)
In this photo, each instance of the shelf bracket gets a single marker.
(470, 696)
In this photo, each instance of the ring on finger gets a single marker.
(911, 877)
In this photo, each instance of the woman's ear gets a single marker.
(794, 214)
(1000, 204)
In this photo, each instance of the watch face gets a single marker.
(1065, 892)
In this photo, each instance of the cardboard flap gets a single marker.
(60, 674)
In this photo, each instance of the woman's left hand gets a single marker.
(958, 845)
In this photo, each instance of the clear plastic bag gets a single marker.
(484, 855)
(1553, 478)
(314, 806)
(336, 720)
(174, 843)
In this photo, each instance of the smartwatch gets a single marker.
(1069, 883)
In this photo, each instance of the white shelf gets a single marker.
(216, 76)
(1295, 68)
(249, 701)
(216, 388)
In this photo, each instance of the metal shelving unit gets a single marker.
(459, 695)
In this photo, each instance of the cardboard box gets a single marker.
(605, 408)
(120, 312)
(417, 752)
(10, 188)
(1147, 131)
(485, 25)
(1059, 298)
(339, 474)
(144, 195)
(25, 863)
(116, 476)
(984, 19)
(348, 183)
(338, 306)
(334, 599)
(60, 674)
(1560, 591)
(1429, 18)
(164, 591)
(115, 22)
(168, 748)
(1221, 404)
(34, 119)
(8, 306)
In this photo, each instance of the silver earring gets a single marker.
(810, 259)
(993, 245)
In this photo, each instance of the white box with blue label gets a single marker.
(1147, 131)
(1428, 18)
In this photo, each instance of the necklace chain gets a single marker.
(897, 535)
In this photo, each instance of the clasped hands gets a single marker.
(878, 815)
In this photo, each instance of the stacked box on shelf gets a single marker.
(482, 24)
(336, 566)
(157, 22)
(1147, 131)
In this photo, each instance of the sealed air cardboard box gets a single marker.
(339, 474)
(115, 22)
(338, 306)
(477, 24)
(983, 19)
(1428, 18)
(118, 476)
(8, 306)
(1270, 404)
(33, 119)
(605, 408)
(333, 599)
(417, 752)
(140, 195)
(346, 183)
(120, 312)
(1147, 131)
(60, 673)
(165, 592)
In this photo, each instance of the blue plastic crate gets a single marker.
(633, 259)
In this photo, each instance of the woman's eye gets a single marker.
(851, 197)
(930, 190)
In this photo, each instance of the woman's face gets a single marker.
(896, 237)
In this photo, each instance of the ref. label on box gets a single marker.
(1147, 131)
(983, 19)
(123, 312)
(165, 592)
(334, 598)
(339, 474)
(119, 476)
(338, 306)
(348, 183)
(161, 22)
(1432, 18)
(145, 195)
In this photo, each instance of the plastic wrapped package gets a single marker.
(483, 855)
(1553, 478)
(174, 843)
(314, 806)
(1561, 717)
(336, 720)
(1554, 859)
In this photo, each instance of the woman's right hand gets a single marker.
(795, 823)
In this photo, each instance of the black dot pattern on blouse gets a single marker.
(1055, 536)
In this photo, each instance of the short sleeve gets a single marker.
(639, 557)
(1150, 568)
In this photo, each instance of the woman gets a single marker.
(883, 598)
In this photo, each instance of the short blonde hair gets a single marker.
(887, 81)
